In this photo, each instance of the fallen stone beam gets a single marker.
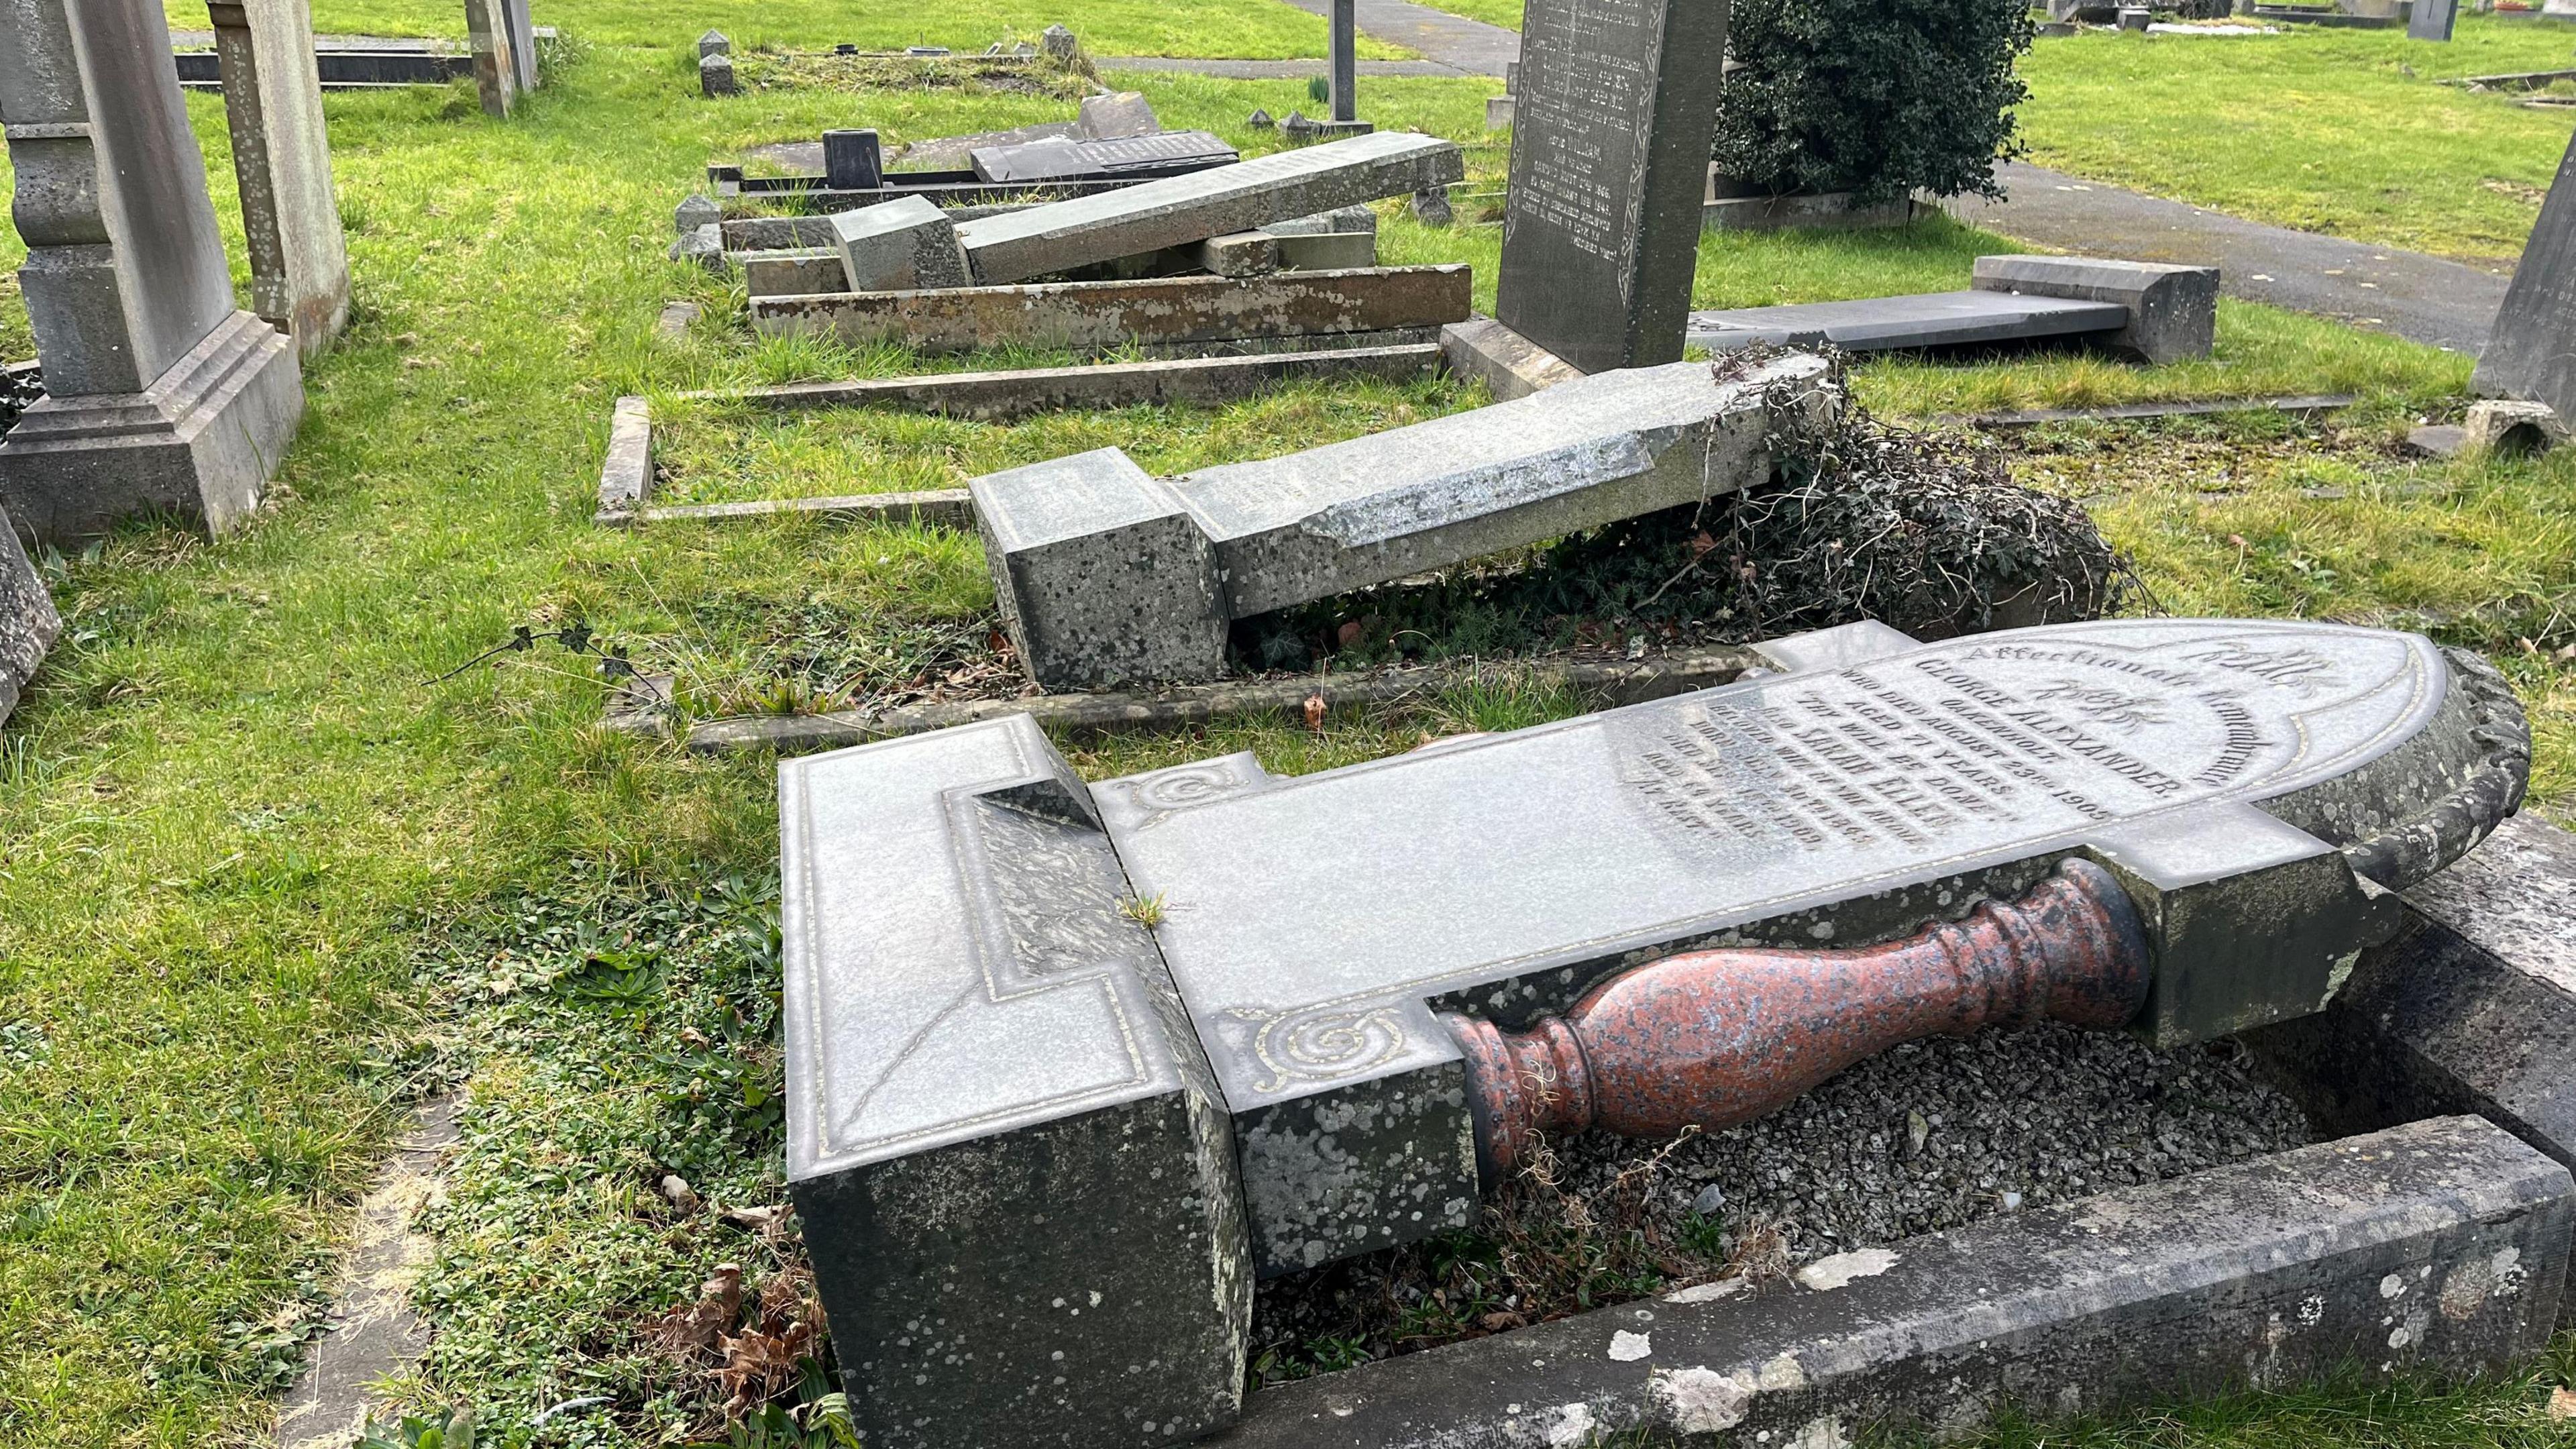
(2438, 1246)
(1108, 576)
(2151, 311)
(1185, 210)
(1005, 396)
(1100, 316)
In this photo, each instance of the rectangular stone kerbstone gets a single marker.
(1240, 254)
(2173, 311)
(793, 273)
(899, 246)
(1003, 1140)
(1612, 123)
(1186, 209)
(2434, 1247)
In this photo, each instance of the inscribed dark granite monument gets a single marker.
(1068, 1064)
(161, 396)
(1614, 115)
(2528, 357)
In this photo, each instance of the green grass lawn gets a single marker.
(268, 872)
(2347, 132)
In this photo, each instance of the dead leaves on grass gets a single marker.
(753, 1346)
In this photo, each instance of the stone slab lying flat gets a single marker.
(1006, 396)
(2432, 1247)
(1156, 311)
(1182, 210)
(1259, 536)
(1932, 319)
(2173, 310)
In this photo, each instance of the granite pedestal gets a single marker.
(161, 397)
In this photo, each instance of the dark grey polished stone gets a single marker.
(1613, 117)
(1885, 324)
(2528, 357)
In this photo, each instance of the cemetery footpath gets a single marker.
(287, 862)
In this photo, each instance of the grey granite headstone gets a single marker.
(1070, 158)
(853, 160)
(1066, 1064)
(2155, 312)
(28, 623)
(522, 32)
(299, 260)
(2432, 20)
(1612, 123)
(1343, 37)
(898, 246)
(2528, 357)
(716, 77)
(161, 397)
(1010, 1158)
(1182, 210)
(2173, 310)
(1072, 555)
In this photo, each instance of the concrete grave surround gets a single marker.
(1228, 542)
(161, 395)
(1007, 1094)
(899, 246)
(2151, 312)
(299, 260)
(1182, 210)
(2528, 358)
(1613, 118)
(2436, 1247)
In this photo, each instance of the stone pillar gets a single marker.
(299, 262)
(161, 396)
(496, 62)
(523, 45)
(1346, 65)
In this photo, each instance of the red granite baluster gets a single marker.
(1713, 1038)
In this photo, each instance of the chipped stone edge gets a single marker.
(626, 475)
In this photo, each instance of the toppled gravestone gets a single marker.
(1069, 1064)
(1109, 576)
(898, 246)
(1183, 210)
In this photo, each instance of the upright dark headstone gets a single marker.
(162, 397)
(853, 160)
(1613, 120)
(2528, 357)
(2432, 19)
(1346, 64)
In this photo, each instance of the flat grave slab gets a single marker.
(1135, 1002)
(1932, 319)
(1085, 159)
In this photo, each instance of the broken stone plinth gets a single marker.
(1010, 1158)
(1183, 210)
(2512, 428)
(899, 246)
(1073, 543)
(1000, 980)
(160, 396)
(299, 259)
(2428, 1249)
(28, 623)
(2173, 311)
(1116, 116)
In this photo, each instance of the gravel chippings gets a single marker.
(1937, 1134)
(1930, 1136)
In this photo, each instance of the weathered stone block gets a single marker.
(899, 246)
(1510, 365)
(853, 160)
(2511, 428)
(28, 623)
(2436, 1247)
(1328, 251)
(1102, 574)
(695, 211)
(1187, 209)
(714, 42)
(2173, 311)
(715, 76)
(1116, 116)
(1240, 254)
(797, 273)
(1012, 1165)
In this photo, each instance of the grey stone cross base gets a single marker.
(1070, 1064)
(161, 396)
(1108, 575)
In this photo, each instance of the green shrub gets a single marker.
(1875, 97)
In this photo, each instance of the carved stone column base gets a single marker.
(201, 443)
